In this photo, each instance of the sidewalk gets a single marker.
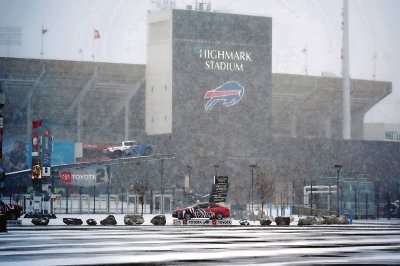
(393, 221)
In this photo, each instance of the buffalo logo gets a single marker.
(230, 93)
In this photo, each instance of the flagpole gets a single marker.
(94, 66)
(305, 58)
(81, 53)
(41, 51)
(374, 58)
(96, 35)
(93, 48)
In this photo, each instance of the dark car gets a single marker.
(202, 210)
(392, 210)
(12, 211)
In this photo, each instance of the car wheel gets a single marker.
(219, 216)
(188, 216)
(147, 151)
(117, 154)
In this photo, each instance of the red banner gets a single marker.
(37, 123)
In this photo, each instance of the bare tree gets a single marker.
(238, 185)
(265, 185)
(284, 192)
(141, 187)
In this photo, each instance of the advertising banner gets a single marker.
(15, 155)
(63, 153)
(203, 222)
(1, 136)
(85, 177)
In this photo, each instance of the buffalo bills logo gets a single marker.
(230, 93)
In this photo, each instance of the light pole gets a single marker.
(189, 168)
(216, 166)
(338, 167)
(398, 198)
(162, 185)
(355, 201)
(252, 166)
(311, 198)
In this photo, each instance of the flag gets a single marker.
(37, 123)
(44, 31)
(96, 34)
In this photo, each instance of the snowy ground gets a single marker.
(366, 242)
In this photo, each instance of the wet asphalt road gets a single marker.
(173, 245)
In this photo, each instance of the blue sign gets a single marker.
(63, 153)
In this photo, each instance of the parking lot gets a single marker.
(363, 242)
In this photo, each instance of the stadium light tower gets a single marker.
(345, 73)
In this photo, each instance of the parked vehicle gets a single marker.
(202, 210)
(392, 210)
(129, 148)
(12, 211)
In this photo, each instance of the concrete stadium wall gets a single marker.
(289, 158)
(55, 98)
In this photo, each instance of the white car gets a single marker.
(129, 148)
(119, 149)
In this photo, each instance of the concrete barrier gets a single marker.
(14, 223)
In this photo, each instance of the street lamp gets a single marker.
(252, 166)
(189, 168)
(162, 185)
(338, 167)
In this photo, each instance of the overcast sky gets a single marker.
(297, 24)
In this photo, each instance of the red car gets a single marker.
(12, 211)
(202, 210)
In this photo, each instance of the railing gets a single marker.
(82, 204)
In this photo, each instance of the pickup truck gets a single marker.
(129, 148)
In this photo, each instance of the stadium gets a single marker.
(209, 101)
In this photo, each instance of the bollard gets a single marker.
(3, 223)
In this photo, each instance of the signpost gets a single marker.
(219, 189)
(42, 147)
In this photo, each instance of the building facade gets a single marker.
(208, 96)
